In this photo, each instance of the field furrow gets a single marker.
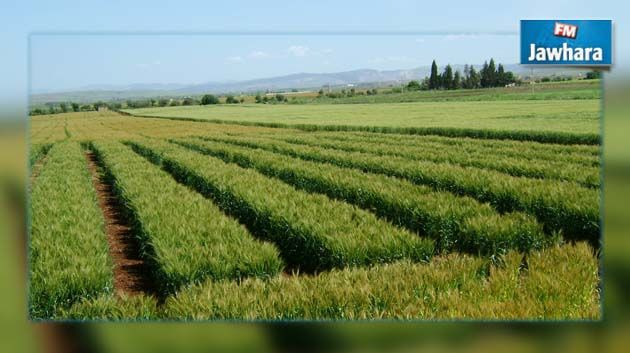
(312, 231)
(184, 237)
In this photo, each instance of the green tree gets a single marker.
(75, 107)
(209, 99)
(501, 78)
(485, 75)
(163, 102)
(64, 107)
(492, 73)
(99, 104)
(593, 75)
(457, 80)
(447, 78)
(413, 85)
(474, 78)
(258, 99)
(434, 80)
(425, 84)
(280, 97)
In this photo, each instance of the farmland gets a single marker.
(319, 211)
(570, 116)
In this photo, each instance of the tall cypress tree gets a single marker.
(457, 80)
(434, 80)
(447, 77)
(485, 78)
(465, 78)
(492, 74)
(501, 77)
(474, 80)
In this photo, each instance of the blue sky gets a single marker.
(70, 61)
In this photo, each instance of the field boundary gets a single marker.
(552, 137)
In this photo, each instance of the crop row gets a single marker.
(450, 287)
(560, 206)
(588, 177)
(555, 137)
(312, 231)
(37, 152)
(455, 223)
(532, 150)
(68, 249)
(588, 156)
(184, 236)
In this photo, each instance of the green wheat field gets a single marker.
(444, 205)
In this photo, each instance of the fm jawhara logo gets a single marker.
(556, 42)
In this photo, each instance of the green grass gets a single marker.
(558, 170)
(37, 152)
(559, 283)
(185, 236)
(561, 121)
(68, 249)
(394, 226)
(560, 206)
(455, 223)
(114, 308)
(313, 232)
(532, 152)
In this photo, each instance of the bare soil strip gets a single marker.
(132, 274)
(37, 168)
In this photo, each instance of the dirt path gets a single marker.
(131, 273)
(37, 168)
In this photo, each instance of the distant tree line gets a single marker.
(490, 75)
(67, 107)
(352, 92)
(267, 99)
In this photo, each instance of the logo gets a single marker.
(565, 30)
(551, 42)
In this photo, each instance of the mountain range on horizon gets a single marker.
(302, 81)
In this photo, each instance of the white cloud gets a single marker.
(258, 54)
(234, 59)
(298, 50)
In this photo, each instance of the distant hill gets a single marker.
(361, 77)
